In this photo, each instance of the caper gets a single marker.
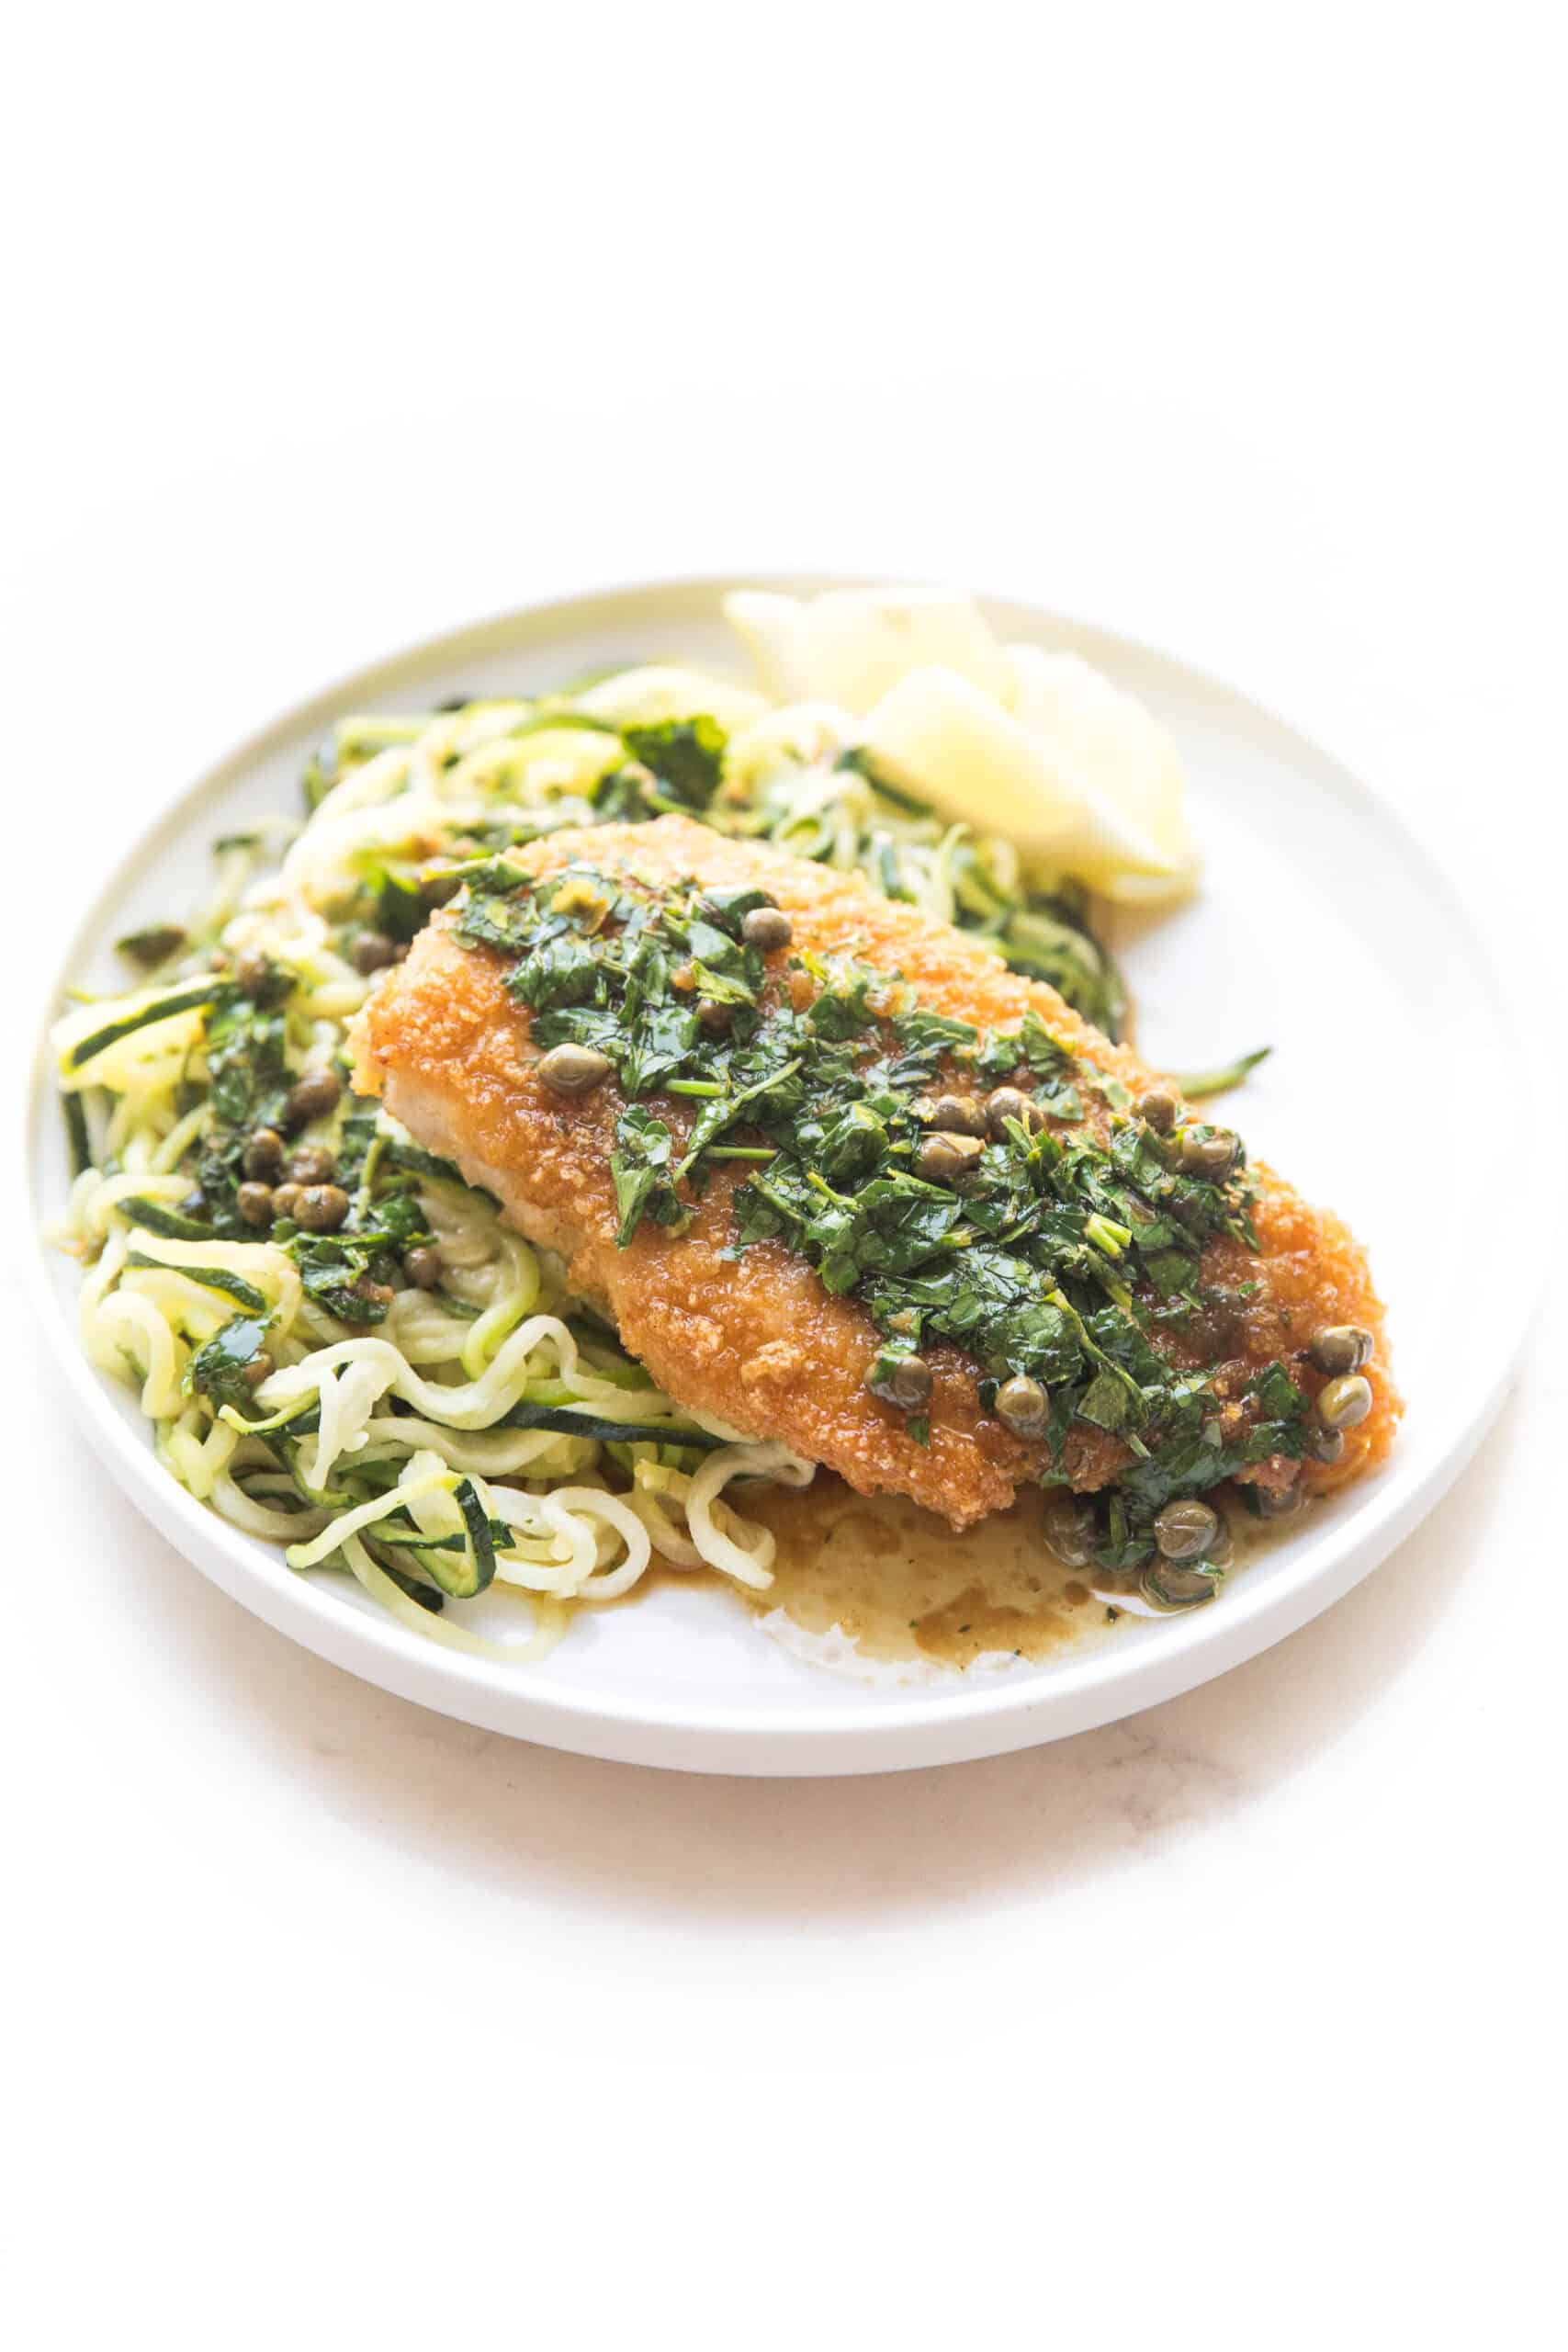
(260, 1367)
(322, 1207)
(943, 1158)
(1324, 1445)
(1186, 1530)
(372, 952)
(1344, 1402)
(715, 1017)
(1173, 1587)
(1278, 1502)
(285, 1200)
(1070, 1528)
(263, 1156)
(767, 928)
(956, 1114)
(312, 1165)
(311, 1097)
(573, 1069)
(424, 1268)
(255, 1204)
(1341, 1348)
(1011, 1103)
(904, 1382)
(254, 971)
(1159, 1109)
(153, 946)
(1210, 1156)
(1022, 1405)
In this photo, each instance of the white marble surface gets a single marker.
(1241, 2021)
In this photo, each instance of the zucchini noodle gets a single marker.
(414, 1396)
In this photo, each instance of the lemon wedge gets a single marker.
(1099, 736)
(769, 628)
(849, 646)
(1052, 789)
(1039, 747)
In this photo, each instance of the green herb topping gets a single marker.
(351, 1272)
(1068, 1246)
(217, 1371)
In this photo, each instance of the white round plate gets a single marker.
(1323, 929)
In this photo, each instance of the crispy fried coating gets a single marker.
(758, 1340)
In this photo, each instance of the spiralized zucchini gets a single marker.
(486, 1431)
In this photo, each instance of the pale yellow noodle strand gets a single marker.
(112, 1190)
(349, 1522)
(270, 1269)
(549, 1621)
(470, 1407)
(168, 1155)
(498, 1453)
(521, 1271)
(255, 1518)
(751, 1565)
(667, 1539)
(127, 1327)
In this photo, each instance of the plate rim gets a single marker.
(858, 1735)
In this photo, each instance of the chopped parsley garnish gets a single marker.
(1062, 1256)
(217, 1371)
(248, 1082)
(685, 754)
(353, 1271)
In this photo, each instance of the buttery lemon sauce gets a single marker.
(901, 1585)
(897, 1583)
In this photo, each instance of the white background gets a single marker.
(328, 2020)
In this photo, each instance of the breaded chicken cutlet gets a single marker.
(842, 1178)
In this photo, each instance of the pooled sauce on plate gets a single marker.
(901, 1585)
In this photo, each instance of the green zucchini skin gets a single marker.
(202, 996)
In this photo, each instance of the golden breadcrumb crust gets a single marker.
(758, 1340)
